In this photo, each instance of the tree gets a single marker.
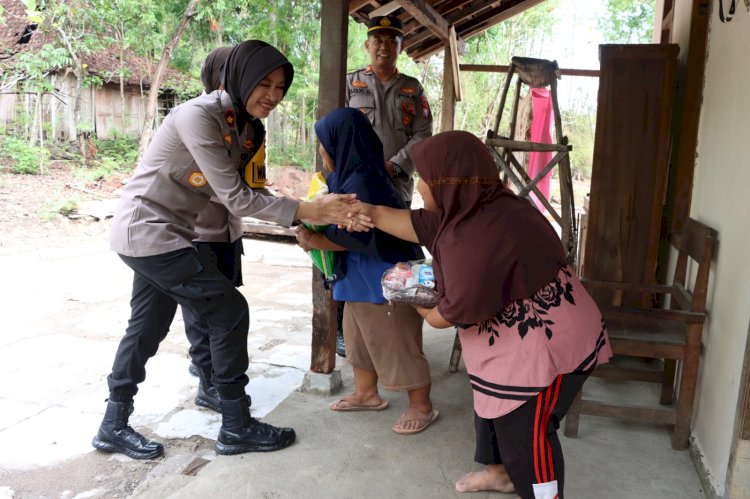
(628, 21)
(159, 73)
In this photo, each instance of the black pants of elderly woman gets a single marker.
(160, 283)
(525, 440)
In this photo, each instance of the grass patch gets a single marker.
(24, 159)
(59, 207)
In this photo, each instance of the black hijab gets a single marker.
(212, 66)
(246, 66)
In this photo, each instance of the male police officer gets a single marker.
(394, 102)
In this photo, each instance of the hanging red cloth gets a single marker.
(541, 126)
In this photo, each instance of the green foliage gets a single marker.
(628, 21)
(579, 126)
(145, 27)
(117, 154)
(121, 149)
(302, 156)
(25, 158)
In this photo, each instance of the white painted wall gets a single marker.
(721, 199)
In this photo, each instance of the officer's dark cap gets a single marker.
(381, 23)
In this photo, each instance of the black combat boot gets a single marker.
(115, 435)
(208, 395)
(194, 370)
(241, 433)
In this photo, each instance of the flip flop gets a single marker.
(344, 405)
(423, 420)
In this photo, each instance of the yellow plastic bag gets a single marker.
(322, 259)
(318, 187)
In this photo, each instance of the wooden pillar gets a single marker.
(334, 21)
(448, 113)
(686, 119)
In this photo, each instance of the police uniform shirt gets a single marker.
(216, 225)
(194, 155)
(398, 111)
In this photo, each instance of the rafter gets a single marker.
(469, 27)
(427, 16)
(356, 5)
(455, 17)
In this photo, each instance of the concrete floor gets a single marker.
(82, 312)
(345, 455)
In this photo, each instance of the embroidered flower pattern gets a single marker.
(531, 313)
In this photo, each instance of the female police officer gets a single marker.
(194, 155)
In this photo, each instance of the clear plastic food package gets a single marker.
(411, 282)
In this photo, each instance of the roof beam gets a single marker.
(385, 9)
(455, 18)
(427, 16)
(496, 16)
(477, 25)
(355, 5)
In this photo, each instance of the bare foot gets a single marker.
(493, 478)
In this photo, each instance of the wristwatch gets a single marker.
(397, 171)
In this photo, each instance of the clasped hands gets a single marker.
(343, 210)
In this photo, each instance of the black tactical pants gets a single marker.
(227, 258)
(159, 284)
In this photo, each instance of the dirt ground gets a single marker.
(33, 227)
(32, 204)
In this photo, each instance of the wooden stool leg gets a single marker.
(455, 355)
(572, 417)
(667, 384)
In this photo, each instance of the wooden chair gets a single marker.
(672, 334)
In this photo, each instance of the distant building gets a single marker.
(103, 109)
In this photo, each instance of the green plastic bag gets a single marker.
(322, 259)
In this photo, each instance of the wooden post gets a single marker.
(447, 116)
(686, 119)
(334, 21)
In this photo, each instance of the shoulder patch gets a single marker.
(228, 138)
(196, 179)
(425, 107)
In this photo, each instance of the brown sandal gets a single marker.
(413, 421)
(344, 405)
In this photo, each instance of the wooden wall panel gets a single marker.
(630, 164)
